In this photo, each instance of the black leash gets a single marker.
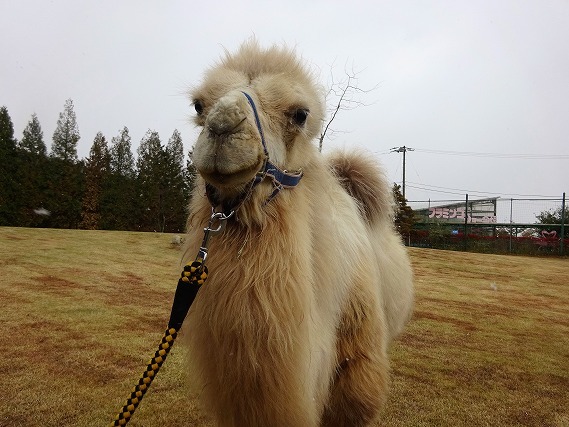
(192, 278)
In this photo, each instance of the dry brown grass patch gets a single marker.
(82, 312)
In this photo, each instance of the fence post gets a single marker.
(511, 229)
(466, 224)
(561, 246)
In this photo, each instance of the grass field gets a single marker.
(82, 311)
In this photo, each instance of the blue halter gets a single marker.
(280, 178)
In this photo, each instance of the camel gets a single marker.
(308, 281)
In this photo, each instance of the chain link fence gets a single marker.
(492, 225)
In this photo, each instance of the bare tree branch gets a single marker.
(345, 92)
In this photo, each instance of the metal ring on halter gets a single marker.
(219, 217)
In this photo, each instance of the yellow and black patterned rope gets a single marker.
(152, 369)
(193, 276)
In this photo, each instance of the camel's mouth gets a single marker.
(219, 177)
(231, 151)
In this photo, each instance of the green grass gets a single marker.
(82, 312)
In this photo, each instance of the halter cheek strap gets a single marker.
(280, 178)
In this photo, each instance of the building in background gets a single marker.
(482, 211)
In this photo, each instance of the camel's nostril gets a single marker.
(223, 127)
(226, 115)
(219, 128)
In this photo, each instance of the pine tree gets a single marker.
(150, 164)
(96, 170)
(64, 193)
(122, 160)
(32, 140)
(66, 135)
(33, 176)
(404, 215)
(175, 149)
(119, 203)
(7, 140)
(66, 172)
(174, 199)
(9, 194)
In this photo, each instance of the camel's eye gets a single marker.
(198, 106)
(299, 116)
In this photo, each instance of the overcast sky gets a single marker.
(458, 81)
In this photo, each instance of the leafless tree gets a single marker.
(342, 95)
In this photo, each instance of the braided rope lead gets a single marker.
(193, 277)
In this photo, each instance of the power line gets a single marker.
(442, 191)
(496, 155)
(434, 189)
(457, 191)
(462, 191)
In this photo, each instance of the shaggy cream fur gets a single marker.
(305, 292)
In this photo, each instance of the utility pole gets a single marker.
(402, 150)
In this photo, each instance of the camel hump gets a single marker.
(362, 177)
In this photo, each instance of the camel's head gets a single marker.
(229, 151)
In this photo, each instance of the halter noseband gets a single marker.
(280, 178)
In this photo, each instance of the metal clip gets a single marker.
(215, 226)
